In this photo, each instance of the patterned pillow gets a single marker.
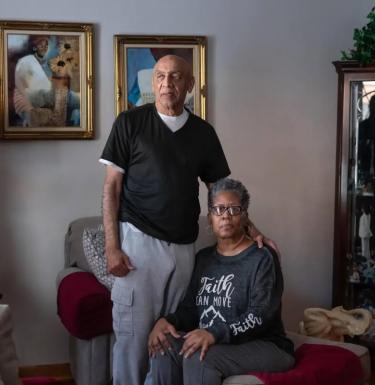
(93, 247)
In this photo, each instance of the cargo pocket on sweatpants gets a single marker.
(122, 310)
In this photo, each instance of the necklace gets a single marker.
(231, 251)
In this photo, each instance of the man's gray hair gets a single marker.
(231, 185)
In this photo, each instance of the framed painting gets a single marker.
(46, 80)
(135, 57)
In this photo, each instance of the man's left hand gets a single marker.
(195, 340)
(260, 239)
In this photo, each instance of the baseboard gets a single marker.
(61, 371)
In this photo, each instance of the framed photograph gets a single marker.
(135, 57)
(46, 80)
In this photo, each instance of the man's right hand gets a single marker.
(118, 263)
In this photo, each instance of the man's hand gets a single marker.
(272, 244)
(118, 263)
(157, 340)
(259, 238)
(197, 339)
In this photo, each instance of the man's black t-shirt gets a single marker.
(160, 189)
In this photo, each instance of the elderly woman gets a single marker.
(230, 320)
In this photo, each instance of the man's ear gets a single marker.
(191, 84)
(245, 216)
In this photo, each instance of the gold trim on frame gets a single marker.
(197, 43)
(85, 95)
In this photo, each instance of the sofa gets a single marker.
(84, 307)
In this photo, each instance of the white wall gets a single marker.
(272, 99)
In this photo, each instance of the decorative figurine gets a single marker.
(365, 232)
(354, 276)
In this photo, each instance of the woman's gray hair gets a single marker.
(231, 185)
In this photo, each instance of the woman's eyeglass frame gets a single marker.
(220, 210)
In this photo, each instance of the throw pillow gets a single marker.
(93, 247)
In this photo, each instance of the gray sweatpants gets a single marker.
(221, 361)
(156, 286)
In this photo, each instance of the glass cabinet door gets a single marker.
(360, 279)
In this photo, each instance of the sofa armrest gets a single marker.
(65, 272)
(8, 356)
(84, 305)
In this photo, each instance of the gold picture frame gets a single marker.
(135, 56)
(46, 80)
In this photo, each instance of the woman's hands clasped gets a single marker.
(198, 339)
(158, 341)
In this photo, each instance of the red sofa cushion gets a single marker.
(318, 365)
(84, 305)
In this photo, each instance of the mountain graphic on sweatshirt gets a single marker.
(208, 317)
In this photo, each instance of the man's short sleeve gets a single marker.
(215, 165)
(117, 149)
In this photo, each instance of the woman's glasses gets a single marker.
(220, 210)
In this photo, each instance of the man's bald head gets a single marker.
(176, 61)
(172, 79)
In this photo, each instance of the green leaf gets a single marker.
(344, 56)
(363, 42)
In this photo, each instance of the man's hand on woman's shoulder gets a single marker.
(259, 238)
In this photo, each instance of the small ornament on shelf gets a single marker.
(354, 276)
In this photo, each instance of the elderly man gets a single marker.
(154, 156)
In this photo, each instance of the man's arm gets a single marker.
(117, 261)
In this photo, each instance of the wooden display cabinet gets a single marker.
(354, 232)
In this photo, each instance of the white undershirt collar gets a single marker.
(174, 123)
